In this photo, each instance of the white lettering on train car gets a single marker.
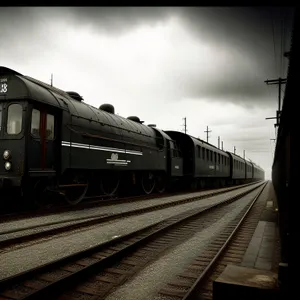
(3, 88)
(114, 160)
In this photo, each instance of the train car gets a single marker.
(203, 164)
(52, 138)
(258, 172)
(237, 168)
(249, 171)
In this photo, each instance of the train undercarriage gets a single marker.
(76, 185)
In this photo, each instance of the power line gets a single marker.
(273, 34)
(281, 42)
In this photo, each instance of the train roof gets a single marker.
(248, 162)
(257, 166)
(26, 87)
(199, 142)
(236, 157)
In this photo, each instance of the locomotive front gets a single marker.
(12, 140)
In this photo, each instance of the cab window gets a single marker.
(50, 127)
(14, 119)
(35, 123)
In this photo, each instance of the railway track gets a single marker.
(196, 281)
(29, 233)
(96, 201)
(118, 260)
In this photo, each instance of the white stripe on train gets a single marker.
(99, 148)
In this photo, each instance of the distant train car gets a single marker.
(249, 171)
(258, 172)
(203, 164)
(238, 168)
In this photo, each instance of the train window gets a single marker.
(50, 127)
(199, 151)
(14, 119)
(218, 158)
(173, 148)
(35, 122)
(215, 157)
(207, 154)
(203, 153)
(211, 156)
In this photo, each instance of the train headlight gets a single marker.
(6, 154)
(7, 166)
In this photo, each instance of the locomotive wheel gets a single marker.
(160, 183)
(110, 183)
(148, 182)
(76, 191)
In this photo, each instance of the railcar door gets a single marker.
(42, 147)
(174, 160)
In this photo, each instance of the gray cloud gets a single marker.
(244, 34)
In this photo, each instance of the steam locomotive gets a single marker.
(50, 140)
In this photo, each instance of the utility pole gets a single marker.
(244, 154)
(234, 149)
(222, 145)
(218, 142)
(51, 79)
(278, 81)
(207, 131)
(184, 125)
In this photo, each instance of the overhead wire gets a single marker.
(273, 35)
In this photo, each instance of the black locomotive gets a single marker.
(51, 140)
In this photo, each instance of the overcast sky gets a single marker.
(162, 64)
